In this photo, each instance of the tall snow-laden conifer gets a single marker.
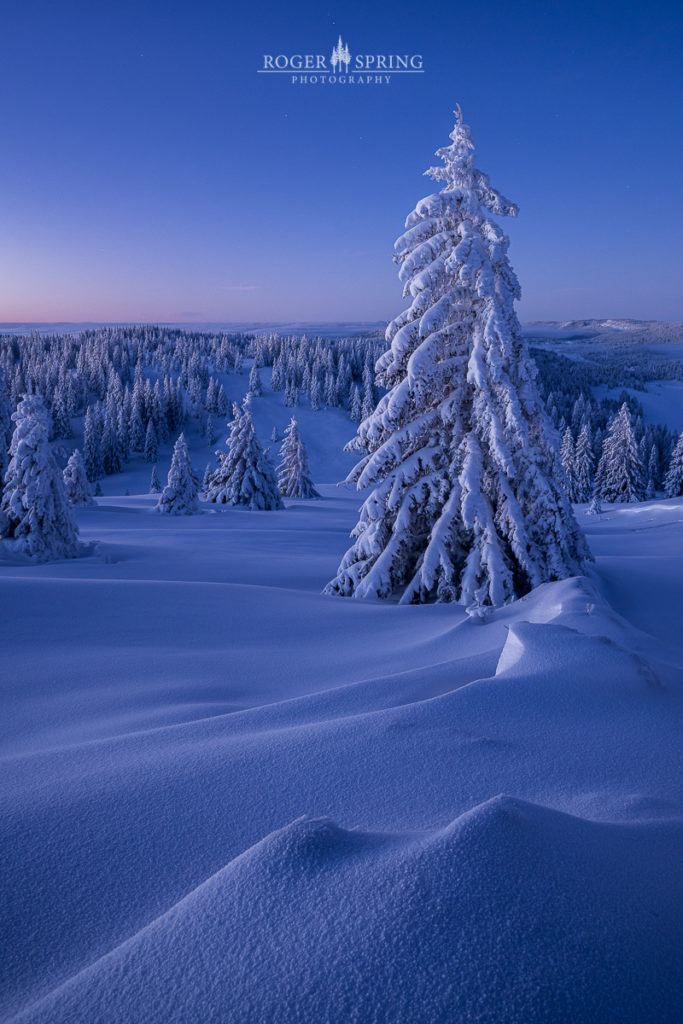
(34, 511)
(460, 453)
(294, 479)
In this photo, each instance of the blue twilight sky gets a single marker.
(149, 173)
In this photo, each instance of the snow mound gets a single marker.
(468, 922)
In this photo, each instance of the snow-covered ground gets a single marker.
(228, 798)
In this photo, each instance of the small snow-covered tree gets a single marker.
(355, 406)
(567, 458)
(5, 425)
(76, 485)
(179, 496)
(368, 402)
(92, 446)
(221, 401)
(255, 386)
(274, 435)
(653, 466)
(244, 476)
(208, 473)
(122, 418)
(61, 424)
(35, 511)
(316, 394)
(136, 430)
(294, 479)
(217, 482)
(583, 465)
(211, 395)
(151, 453)
(620, 473)
(154, 483)
(595, 508)
(673, 482)
(460, 454)
(277, 377)
(111, 448)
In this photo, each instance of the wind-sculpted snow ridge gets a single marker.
(512, 912)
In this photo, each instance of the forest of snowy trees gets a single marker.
(136, 387)
(120, 393)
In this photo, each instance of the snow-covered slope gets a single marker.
(227, 797)
(607, 332)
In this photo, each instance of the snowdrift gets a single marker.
(512, 912)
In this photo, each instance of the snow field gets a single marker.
(228, 797)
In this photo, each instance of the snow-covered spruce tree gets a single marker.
(595, 508)
(151, 453)
(620, 472)
(92, 446)
(673, 482)
(206, 480)
(583, 465)
(179, 496)
(355, 409)
(253, 483)
(255, 386)
(34, 510)
(653, 466)
(293, 479)
(5, 425)
(244, 476)
(154, 482)
(460, 453)
(568, 461)
(76, 486)
(222, 402)
(61, 424)
(111, 448)
(136, 430)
